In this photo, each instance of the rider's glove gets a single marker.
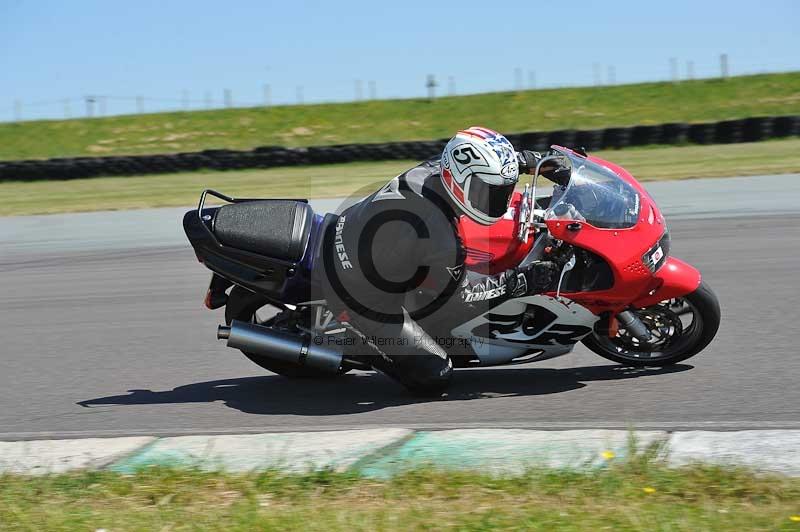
(527, 161)
(535, 278)
(557, 174)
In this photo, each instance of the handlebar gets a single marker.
(556, 172)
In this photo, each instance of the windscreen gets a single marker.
(594, 195)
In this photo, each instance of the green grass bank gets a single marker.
(398, 120)
(635, 495)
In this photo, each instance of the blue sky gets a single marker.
(52, 50)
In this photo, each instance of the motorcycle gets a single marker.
(619, 292)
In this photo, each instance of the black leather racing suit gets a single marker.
(395, 263)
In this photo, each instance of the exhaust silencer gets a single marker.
(279, 345)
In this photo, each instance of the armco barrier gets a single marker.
(727, 131)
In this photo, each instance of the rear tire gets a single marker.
(246, 304)
(705, 310)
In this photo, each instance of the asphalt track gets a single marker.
(104, 333)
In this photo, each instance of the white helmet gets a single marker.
(480, 171)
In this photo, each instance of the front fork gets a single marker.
(634, 326)
(674, 279)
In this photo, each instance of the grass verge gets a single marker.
(636, 495)
(396, 120)
(112, 193)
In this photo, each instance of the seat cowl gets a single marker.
(273, 228)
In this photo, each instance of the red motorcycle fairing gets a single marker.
(676, 278)
(491, 249)
(622, 249)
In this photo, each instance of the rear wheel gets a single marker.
(680, 328)
(243, 305)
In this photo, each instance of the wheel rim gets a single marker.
(673, 324)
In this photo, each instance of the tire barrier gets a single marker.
(701, 133)
(590, 139)
(645, 135)
(725, 132)
(536, 141)
(674, 133)
(729, 131)
(786, 126)
(617, 137)
(757, 128)
(564, 137)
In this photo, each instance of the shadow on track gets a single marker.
(364, 392)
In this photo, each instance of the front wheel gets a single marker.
(680, 328)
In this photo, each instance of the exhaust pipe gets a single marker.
(279, 345)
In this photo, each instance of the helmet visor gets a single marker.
(492, 200)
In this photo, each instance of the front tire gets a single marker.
(675, 338)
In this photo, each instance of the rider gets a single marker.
(394, 262)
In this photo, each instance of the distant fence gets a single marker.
(725, 132)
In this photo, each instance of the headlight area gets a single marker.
(656, 256)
